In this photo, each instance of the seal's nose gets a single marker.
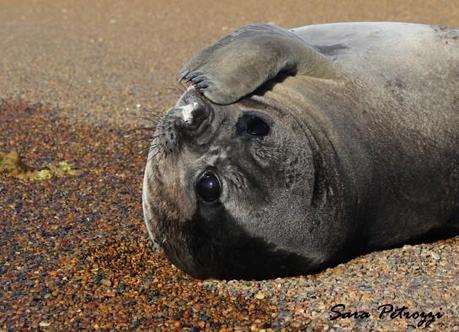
(193, 115)
(193, 110)
(185, 123)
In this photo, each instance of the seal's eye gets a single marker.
(252, 125)
(208, 187)
(257, 127)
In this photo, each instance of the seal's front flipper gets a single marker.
(239, 63)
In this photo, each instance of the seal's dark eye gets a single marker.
(257, 127)
(208, 187)
(252, 125)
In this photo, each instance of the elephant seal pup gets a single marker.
(295, 149)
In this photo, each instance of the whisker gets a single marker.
(133, 130)
(154, 155)
(181, 88)
(153, 147)
(150, 118)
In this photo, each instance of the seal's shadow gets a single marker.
(269, 85)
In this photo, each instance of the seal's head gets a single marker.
(234, 191)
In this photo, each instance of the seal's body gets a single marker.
(295, 149)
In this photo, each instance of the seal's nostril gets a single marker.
(199, 115)
(187, 112)
(192, 116)
(185, 123)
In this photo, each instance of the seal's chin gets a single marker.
(212, 245)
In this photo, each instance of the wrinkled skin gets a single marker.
(361, 153)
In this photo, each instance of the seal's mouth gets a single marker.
(211, 244)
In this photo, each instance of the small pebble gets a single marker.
(106, 282)
(260, 296)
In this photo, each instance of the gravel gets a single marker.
(75, 254)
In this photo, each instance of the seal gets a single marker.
(293, 150)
